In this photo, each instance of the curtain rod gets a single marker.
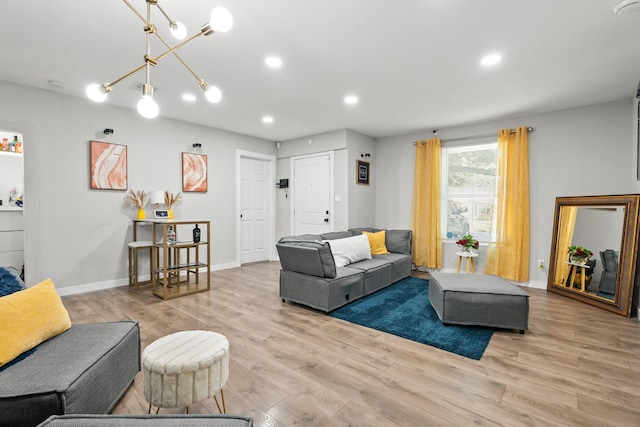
(485, 135)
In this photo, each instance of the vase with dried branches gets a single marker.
(138, 199)
(170, 200)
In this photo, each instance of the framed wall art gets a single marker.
(362, 172)
(194, 172)
(107, 166)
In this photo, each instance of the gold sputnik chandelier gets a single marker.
(221, 21)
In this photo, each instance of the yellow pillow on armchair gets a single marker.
(377, 242)
(30, 317)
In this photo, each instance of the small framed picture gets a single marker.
(362, 172)
(194, 172)
(108, 166)
(161, 214)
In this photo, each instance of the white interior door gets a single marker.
(254, 209)
(312, 194)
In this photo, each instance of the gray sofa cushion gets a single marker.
(86, 369)
(314, 258)
(358, 231)
(307, 237)
(173, 420)
(400, 265)
(398, 241)
(336, 235)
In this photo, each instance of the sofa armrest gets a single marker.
(313, 258)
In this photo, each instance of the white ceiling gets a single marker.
(414, 64)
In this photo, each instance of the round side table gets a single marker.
(470, 256)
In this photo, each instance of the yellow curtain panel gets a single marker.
(508, 256)
(567, 223)
(425, 215)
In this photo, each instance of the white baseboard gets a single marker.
(98, 286)
(91, 287)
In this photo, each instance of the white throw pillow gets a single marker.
(350, 249)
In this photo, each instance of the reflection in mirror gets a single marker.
(606, 227)
(599, 229)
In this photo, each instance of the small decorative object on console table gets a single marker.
(196, 234)
(139, 200)
(467, 243)
(170, 200)
(579, 254)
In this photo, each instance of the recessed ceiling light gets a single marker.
(273, 61)
(350, 99)
(188, 97)
(267, 119)
(491, 60)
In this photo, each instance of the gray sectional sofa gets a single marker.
(309, 274)
(84, 370)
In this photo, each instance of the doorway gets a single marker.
(255, 233)
(12, 238)
(312, 194)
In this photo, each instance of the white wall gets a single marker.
(78, 236)
(361, 197)
(593, 143)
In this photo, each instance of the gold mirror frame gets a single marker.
(625, 280)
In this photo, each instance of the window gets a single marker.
(468, 177)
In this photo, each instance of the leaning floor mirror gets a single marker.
(594, 250)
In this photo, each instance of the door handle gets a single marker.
(326, 220)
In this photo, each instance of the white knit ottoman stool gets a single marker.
(185, 368)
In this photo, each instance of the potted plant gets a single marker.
(467, 243)
(138, 199)
(579, 254)
(170, 200)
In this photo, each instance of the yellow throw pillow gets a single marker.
(30, 317)
(376, 241)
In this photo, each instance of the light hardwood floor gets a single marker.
(292, 366)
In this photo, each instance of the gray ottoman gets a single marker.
(478, 299)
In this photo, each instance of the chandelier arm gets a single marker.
(178, 57)
(134, 10)
(171, 21)
(129, 74)
(148, 36)
(178, 46)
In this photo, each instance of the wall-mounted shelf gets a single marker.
(10, 154)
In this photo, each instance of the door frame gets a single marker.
(271, 229)
(292, 204)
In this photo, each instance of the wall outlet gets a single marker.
(541, 264)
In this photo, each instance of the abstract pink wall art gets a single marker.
(108, 167)
(194, 172)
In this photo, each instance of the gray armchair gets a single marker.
(609, 259)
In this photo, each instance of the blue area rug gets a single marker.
(403, 309)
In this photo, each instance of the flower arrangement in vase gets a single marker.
(467, 243)
(139, 200)
(579, 254)
(170, 200)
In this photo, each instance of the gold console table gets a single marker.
(176, 267)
